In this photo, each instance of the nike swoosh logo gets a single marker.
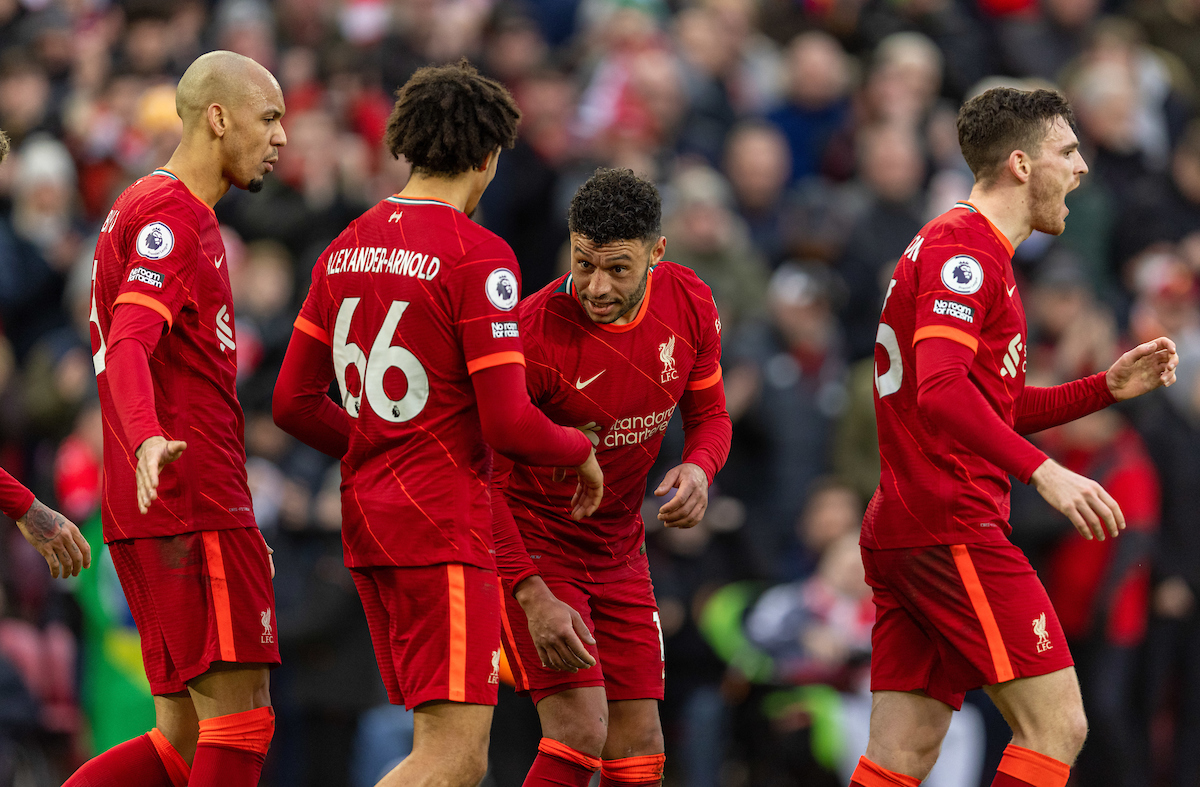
(1010, 290)
(581, 384)
(220, 260)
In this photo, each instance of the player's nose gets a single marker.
(280, 137)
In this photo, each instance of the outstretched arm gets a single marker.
(946, 395)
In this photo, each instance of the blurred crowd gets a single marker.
(799, 146)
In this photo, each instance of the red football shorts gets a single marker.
(198, 598)
(436, 631)
(951, 618)
(623, 618)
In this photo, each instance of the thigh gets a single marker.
(197, 599)
(450, 730)
(629, 636)
(442, 638)
(982, 606)
(528, 673)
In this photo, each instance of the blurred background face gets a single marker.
(818, 71)
(891, 163)
(757, 162)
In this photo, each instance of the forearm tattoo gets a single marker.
(43, 523)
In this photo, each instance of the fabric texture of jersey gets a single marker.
(954, 281)
(627, 381)
(197, 598)
(951, 618)
(161, 248)
(412, 298)
(622, 616)
(436, 631)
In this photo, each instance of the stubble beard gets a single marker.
(631, 303)
(255, 185)
(1045, 205)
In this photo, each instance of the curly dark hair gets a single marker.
(616, 205)
(448, 118)
(998, 121)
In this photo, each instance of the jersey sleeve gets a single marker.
(164, 252)
(312, 319)
(956, 286)
(483, 291)
(707, 370)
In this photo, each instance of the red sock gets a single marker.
(559, 765)
(1027, 768)
(231, 749)
(146, 761)
(647, 769)
(868, 774)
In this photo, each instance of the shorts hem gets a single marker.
(435, 695)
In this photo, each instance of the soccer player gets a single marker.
(614, 347)
(412, 310)
(957, 605)
(176, 508)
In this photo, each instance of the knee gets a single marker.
(586, 735)
(634, 743)
(472, 769)
(1075, 732)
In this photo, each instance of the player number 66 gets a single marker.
(371, 369)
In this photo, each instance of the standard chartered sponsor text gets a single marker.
(637, 428)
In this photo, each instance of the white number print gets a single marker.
(662, 644)
(371, 369)
(890, 381)
(94, 319)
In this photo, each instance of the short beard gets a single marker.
(1043, 208)
(634, 301)
(255, 186)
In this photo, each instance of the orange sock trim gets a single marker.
(172, 760)
(868, 774)
(250, 730)
(564, 752)
(647, 769)
(1034, 767)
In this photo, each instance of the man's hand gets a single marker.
(57, 539)
(687, 507)
(590, 489)
(153, 455)
(558, 631)
(1090, 509)
(1142, 369)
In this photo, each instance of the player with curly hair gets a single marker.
(615, 346)
(412, 310)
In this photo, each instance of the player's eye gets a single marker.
(583, 264)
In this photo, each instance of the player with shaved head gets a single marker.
(176, 507)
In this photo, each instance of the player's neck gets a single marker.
(1006, 208)
(194, 167)
(457, 190)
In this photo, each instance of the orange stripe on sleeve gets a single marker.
(707, 382)
(495, 359)
(458, 632)
(312, 329)
(1034, 767)
(946, 332)
(983, 610)
(149, 303)
(220, 594)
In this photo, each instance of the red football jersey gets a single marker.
(955, 281)
(627, 380)
(161, 247)
(413, 297)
